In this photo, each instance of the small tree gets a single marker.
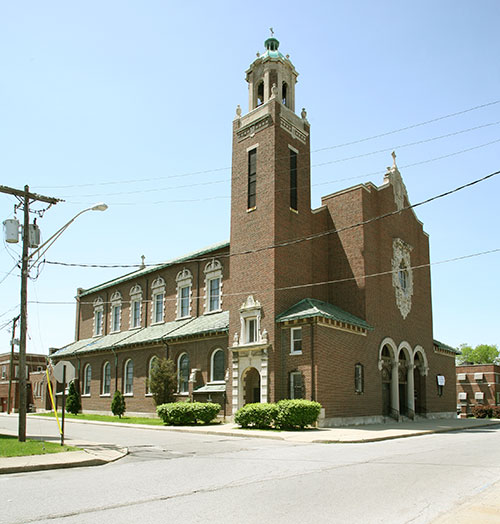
(118, 406)
(163, 381)
(73, 404)
(481, 354)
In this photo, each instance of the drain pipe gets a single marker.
(116, 369)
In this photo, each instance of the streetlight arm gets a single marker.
(38, 251)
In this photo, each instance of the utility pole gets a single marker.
(25, 197)
(11, 363)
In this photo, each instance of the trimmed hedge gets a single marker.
(479, 411)
(297, 413)
(286, 414)
(256, 415)
(187, 413)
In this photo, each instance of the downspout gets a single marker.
(313, 378)
(146, 304)
(116, 368)
(106, 314)
(198, 288)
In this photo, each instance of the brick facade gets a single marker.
(477, 384)
(354, 296)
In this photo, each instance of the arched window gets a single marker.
(150, 367)
(284, 94)
(260, 94)
(217, 366)
(183, 373)
(403, 277)
(87, 377)
(106, 378)
(128, 377)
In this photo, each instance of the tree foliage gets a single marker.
(163, 381)
(118, 406)
(73, 404)
(481, 354)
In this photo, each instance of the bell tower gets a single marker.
(270, 208)
(271, 70)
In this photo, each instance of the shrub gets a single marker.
(496, 412)
(482, 411)
(118, 405)
(73, 404)
(297, 413)
(163, 380)
(256, 415)
(205, 411)
(186, 413)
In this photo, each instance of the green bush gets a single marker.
(495, 411)
(73, 404)
(256, 415)
(118, 405)
(297, 413)
(186, 413)
(482, 411)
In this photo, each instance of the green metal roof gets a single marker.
(310, 307)
(440, 345)
(151, 269)
(213, 323)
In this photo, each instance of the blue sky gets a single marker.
(131, 103)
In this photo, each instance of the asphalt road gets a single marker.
(188, 478)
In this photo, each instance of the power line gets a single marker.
(365, 139)
(337, 161)
(298, 286)
(372, 173)
(301, 239)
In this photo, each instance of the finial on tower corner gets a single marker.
(272, 31)
(238, 111)
(393, 154)
(143, 258)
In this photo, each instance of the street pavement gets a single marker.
(484, 507)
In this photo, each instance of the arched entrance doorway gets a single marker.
(386, 364)
(419, 383)
(403, 384)
(251, 386)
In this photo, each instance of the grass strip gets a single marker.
(11, 447)
(108, 418)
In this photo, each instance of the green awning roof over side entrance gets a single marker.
(311, 307)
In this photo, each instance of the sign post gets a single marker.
(63, 371)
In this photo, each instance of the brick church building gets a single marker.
(331, 304)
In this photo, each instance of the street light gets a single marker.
(38, 253)
(41, 250)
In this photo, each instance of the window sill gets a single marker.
(250, 209)
(128, 394)
(184, 318)
(102, 395)
(157, 323)
(134, 327)
(295, 352)
(214, 311)
(296, 211)
(148, 395)
(86, 396)
(186, 394)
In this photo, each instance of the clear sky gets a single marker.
(131, 103)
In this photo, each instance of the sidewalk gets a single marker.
(94, 454)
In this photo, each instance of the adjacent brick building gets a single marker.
(477, 384)
(35, 368)
(331, 304)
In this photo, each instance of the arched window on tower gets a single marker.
(260, 93)
(284, 94)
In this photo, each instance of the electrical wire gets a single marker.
(354, 142)
(301, 239)
(298, 286)
(337, 161)
(9, 273)
(356, 177)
